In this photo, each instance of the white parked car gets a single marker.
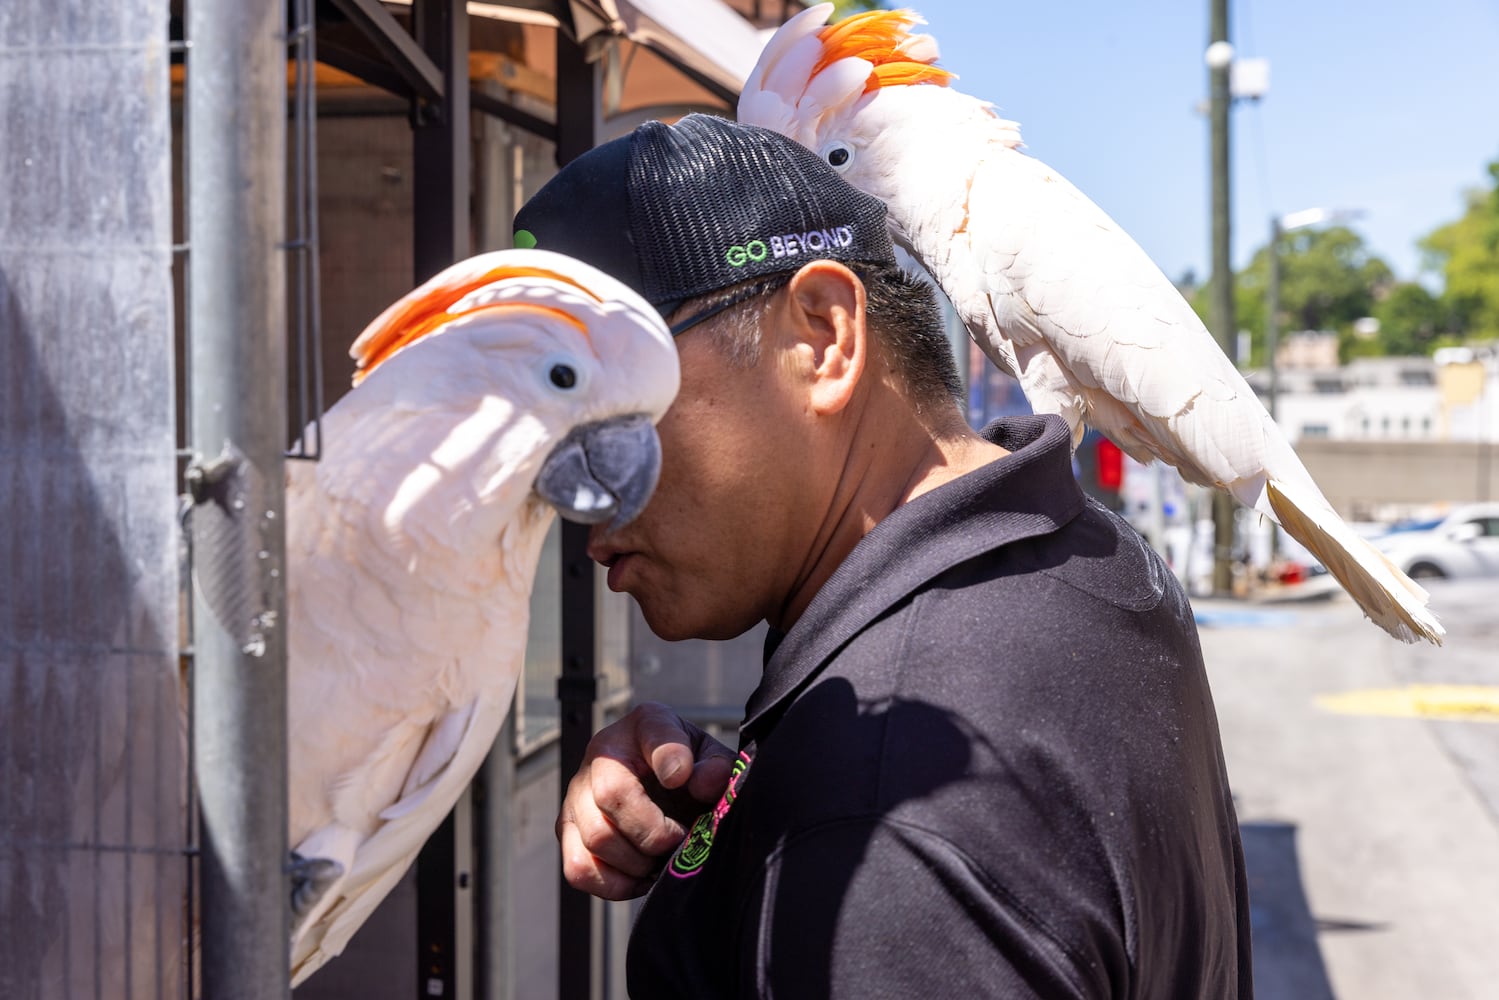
(1465, 543)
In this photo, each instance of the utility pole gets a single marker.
(1272, 315)
(1220, 59)
(1272, 345)
(1279, 226)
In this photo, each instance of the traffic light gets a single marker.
(1100, 469)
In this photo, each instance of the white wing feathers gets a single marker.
(455, 746)
(1109, 328)
(1098, 333)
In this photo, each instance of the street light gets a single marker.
(1279, 226)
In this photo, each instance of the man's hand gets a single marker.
(643, 780)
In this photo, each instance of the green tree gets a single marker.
(1328, 279)
(843, 8)
(1411, 320)
(1466, 254)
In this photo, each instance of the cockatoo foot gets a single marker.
(311, 878)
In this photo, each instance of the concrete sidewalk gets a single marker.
(1374, 860)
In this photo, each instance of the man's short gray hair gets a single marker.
(902, 315)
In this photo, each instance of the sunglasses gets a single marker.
(743, 295)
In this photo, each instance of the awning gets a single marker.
(706, 39)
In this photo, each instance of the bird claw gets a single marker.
(311, 878)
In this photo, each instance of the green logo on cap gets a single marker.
(753, 250)
(524, 239)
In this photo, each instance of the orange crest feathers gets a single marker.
(884, 39)
(429, 307)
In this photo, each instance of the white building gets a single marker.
(1452, 397)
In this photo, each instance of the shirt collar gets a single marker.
(1030, 492)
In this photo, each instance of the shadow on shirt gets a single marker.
(868, 890)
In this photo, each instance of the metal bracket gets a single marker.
(578, 688)
(202, 477)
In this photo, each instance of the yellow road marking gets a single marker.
(1470, 702)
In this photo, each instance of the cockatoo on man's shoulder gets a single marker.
(1049, 287)
(510, 385)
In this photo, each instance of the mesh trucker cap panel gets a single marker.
(677, 211)
(714, 203)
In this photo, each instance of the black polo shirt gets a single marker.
(984, 763)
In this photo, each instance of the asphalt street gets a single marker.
(1370, 817)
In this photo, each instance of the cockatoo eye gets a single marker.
(839, 154)
(561, 373)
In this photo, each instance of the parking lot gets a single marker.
(1370, 819)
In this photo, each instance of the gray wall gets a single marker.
(1360, 477)
(93, 870)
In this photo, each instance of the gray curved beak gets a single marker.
(604, 471)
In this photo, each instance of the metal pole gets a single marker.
(1272, 314)
(578, 918)
(236, 111)
(1223, 277)
(440, 138)
(1272, 343)
(494, 830)
(577, 690)
(1223, 286)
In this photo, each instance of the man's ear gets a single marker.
(826, 303)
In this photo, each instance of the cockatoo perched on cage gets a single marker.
(510, 384)
(1049, 287)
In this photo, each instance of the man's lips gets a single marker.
(612, 558)
(618, 566)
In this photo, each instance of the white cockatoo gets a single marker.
(510, 385)
(1051, 289)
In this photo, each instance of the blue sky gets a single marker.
(1390, 108)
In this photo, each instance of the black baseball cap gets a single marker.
(678, 211)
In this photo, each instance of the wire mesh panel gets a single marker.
(305, 395)
(94, 843)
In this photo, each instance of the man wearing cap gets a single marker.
(983, 758)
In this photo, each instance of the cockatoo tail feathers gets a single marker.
(1392, 600)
